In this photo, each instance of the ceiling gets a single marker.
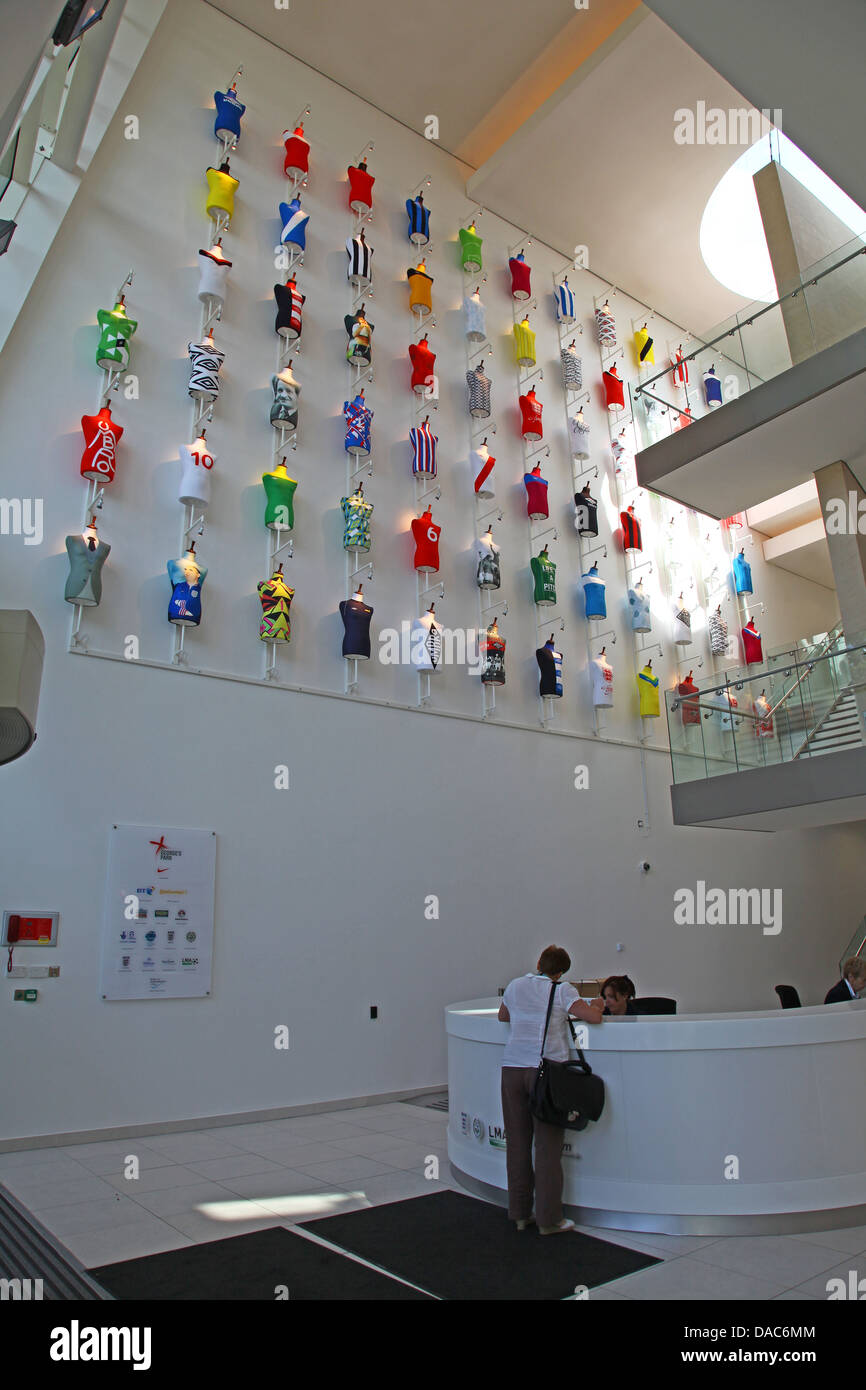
(803, 58)
(598, 165)
(791, 528)
(566, 116)
(804, 551)
(487, 66)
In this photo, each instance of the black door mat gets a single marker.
(460, 1248)
(251, 1268)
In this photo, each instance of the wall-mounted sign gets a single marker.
(158, 924)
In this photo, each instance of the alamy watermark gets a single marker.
(22, 516)
(460, 646)
(719, 907)
(845, 516)
(743, 125)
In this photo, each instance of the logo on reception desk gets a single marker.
(472, 1125)
(496, 1136)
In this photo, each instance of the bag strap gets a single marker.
(578, 1049)
(553, 985)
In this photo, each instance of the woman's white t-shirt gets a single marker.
(526, 999)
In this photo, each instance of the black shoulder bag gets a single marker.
(565, 1094)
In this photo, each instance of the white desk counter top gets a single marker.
(713, 1123)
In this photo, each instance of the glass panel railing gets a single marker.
(805, 648)
(826, 304)
(856, 946)
(802, 708)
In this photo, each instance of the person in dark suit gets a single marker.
(852, 982)
(618, 994)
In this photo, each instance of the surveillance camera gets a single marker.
(643, 866)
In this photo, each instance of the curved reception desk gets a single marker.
(713, 1124)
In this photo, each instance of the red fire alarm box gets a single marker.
(30, 928)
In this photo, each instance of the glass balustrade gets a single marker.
(856, 946)
(791, 709)
(825, 304)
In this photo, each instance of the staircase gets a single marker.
(838, 730)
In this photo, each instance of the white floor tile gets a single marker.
(349, 1169)
(290, 1153)
(83, 1217)
(60, 1192)
(413, 1157)
(219, 1220)
(111, 1156)
(155, 1180)
(300, 1208)
(654, 1241)
(174, 1201)
(779, 1259)
(30, 1158)
(394, 1187)
(41, 1169)
(851, 1240)
(384, 1120)
(686, 1279)
(321, 1128)
(149, 1236)
(284, 1182)
(189, 1145)
(235, 1167)
(369, 1144)
(817, 1285)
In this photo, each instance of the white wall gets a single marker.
(320, 889)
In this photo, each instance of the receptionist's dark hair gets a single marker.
(621, 985)
(554, 960)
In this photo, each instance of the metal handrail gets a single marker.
(807, 672)
(761, 718)
(747, 323)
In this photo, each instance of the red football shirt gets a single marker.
(426, 534)
(520, 273)
(752, 645)
(691, 713)
(297, 159)
(536, 495)
(423, 362)
(530, 410)
(631, 539)
(101, 438)
(613, 390)
(360, 189)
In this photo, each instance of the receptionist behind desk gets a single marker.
(853, 981)
(618, 993)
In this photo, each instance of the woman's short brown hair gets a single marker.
(856, 966)
(621, 985)
(554, 960)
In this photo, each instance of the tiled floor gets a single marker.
(206, 1184)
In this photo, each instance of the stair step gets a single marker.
(816, 749)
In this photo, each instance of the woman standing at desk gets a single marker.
(524, 1006)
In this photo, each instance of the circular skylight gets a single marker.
(732, 238)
